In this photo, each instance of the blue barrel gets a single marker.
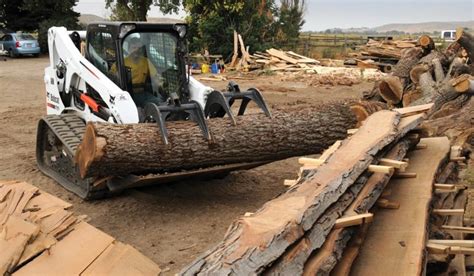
(215, 68)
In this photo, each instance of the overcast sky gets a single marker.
(325, 14)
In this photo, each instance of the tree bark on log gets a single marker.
(459, 126)
(253, 242)
(110, 149)
(293, 260)
(321, 262)
(466, 40)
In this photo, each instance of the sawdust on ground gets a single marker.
(170, 223)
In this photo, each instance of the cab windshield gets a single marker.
(151, 59)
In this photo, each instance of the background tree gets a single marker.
(13, 16)
(136, 10)
(288, 25)
(262, 23)
(48, 13)
(38, 15)
(212, 24)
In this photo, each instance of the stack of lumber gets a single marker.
(384, 48)
(39, 236)
(332, 194)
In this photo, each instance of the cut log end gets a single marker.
(416, 72)
(89, 150)
(391, 89)
(426, 42)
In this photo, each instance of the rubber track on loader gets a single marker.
(68, 129)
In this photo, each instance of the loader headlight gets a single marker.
(125, 29)
(181, 29)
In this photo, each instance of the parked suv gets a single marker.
(19, 44)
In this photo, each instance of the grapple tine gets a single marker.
(217, 106)
(257, 97)
(153, 111)
(193, 108)
(196, 113)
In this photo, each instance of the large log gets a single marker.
(110, 149)
(255, 241)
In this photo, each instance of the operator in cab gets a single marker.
(142, 71)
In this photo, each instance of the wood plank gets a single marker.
(394, 163)
(448, 212)
(405, 175)
(353, 220)
(281, 55)
(435, 248)
(72, 255)
(380, 169)
(412, 110)
(381, 253)
(463, 243)
(467, 230)
(122, 259)
(252, 243)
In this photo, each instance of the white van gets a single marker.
(448, 35)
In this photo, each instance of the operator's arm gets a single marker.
(113, 68)
(154, 76)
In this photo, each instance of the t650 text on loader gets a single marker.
(131, 72)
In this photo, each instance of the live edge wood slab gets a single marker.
(395, 242)
(254, 241)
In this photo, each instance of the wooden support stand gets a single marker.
(448, 212)
(353, 220)
(467, 230)
(405, 175)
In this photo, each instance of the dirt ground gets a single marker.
(170, 223)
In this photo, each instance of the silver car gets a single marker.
(19, 44)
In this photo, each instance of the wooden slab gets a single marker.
(412, 110)
(72, 255)
(122, 259)
(395, 242)
(253, 242)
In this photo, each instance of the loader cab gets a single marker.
(157, 66)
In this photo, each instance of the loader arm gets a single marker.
(69, 72)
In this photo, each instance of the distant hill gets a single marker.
(165, 20)
(85, 19)
(424, 27)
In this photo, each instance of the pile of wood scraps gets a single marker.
(332, 76)
(384, 49)
(289, 235)
(39, 236)
(385, 54)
